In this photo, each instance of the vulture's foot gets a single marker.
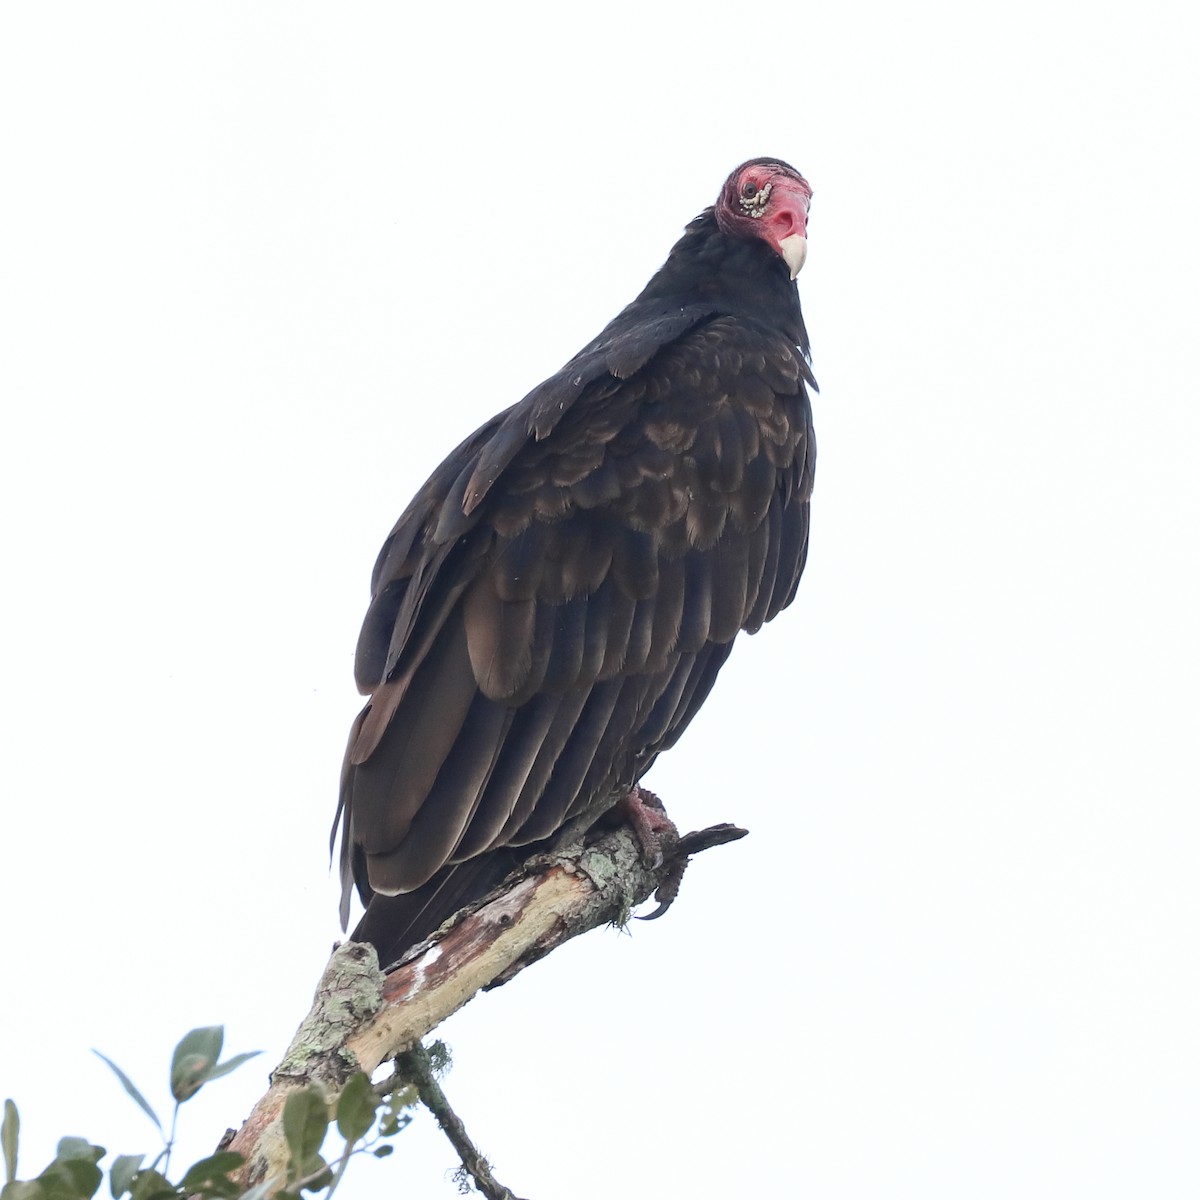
(689, 844)
(645, 812)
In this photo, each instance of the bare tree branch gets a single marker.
(415, 1065)
(362, 1018)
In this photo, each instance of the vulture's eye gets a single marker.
(748, 189)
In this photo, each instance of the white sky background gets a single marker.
(262, 266)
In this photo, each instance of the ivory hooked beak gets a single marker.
(794, 249)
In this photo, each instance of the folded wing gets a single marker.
(534, 643)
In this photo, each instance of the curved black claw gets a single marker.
(689, 844)
(668, 889)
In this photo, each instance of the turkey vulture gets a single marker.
(554, 605)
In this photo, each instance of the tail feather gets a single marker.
(394, 924)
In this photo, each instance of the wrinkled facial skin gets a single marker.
(766, 198)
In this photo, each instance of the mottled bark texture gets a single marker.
(362, 1018)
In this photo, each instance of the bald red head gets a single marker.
(766, 198)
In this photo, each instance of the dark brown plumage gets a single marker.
(553, 607)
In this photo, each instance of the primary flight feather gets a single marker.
(554, 605)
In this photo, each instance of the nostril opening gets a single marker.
(787, 223)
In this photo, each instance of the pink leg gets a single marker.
(644, 811)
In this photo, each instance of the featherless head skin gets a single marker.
(766, 198)
(555, 604)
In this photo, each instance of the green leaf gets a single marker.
(188, 1075)
(230, 1064)
(73, 1175)
(383, 1151)
(77, 1149)
(150, 1185)
(15, 1190)
(10, 1130)
(317, 1175)
(196, 1055)
(305, 1123)
(70, 1179)
(398, 1116)
(210, 1176)
(127, 1084)
(220, 1163)
(356, 1107)
(121, 1173)
(194, 1062)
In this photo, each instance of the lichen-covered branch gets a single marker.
(362, 1018)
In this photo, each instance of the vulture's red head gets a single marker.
(766, 198)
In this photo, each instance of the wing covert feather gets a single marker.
(554, 606)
